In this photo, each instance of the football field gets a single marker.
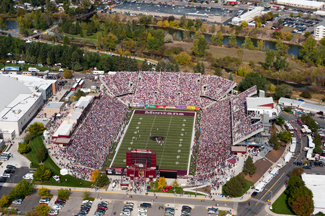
(168, 136)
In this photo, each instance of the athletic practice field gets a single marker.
(168, 133)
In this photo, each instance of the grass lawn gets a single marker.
(49, 163)
(179, 190)
(92, 37)
(176, 132)
(287, 29)
(280, 206)
(245, 189)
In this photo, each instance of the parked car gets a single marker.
(9, 171)
(306, 167)
(167, 188)
(145, 205)
(10, 166)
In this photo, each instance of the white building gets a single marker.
(18, 106)
(316, 183)
(259, 105)
(302, 3)
(36, 84)
(248, 16)
(319, 30)
(302, 105)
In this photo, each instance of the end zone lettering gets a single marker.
(169, 113)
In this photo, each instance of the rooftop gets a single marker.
(32, 82)
(259, 103)
(19, 106)
(9, 90)
(44, 121)
(302, 2)
(54, 105)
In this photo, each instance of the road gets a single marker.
(255, 206)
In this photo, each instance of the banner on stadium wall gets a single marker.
(190, 107)
(180, 107)
(151, 105)
(170, 107)
(140, 105)
(160, 106)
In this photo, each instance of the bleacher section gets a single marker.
(167, 88)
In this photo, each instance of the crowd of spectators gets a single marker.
(241, 122)
(168, 88)
(94, 137)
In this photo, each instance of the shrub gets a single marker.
(305, 94)
(287, 109)
(43, 191)
(42, 154)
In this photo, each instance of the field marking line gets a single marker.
(191, 146)
(162, 154)
(150, 132)
(270, 188)
(122, 138)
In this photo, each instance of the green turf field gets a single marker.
(177, 133)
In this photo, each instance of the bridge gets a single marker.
(73, 19)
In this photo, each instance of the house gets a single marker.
(319, 30)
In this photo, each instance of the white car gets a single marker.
(57, 207)
(125, 214)
(142, 210)
(56, 178)
(129, 203)
(142, 214)
(17, 201)
(61, 70)
(45, 201)
(87, 201)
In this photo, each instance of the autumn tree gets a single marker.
(36, 129)
(175, 184)
(42, 173)
(5, 201)
(43, 191)
(304, 206)
(63, 193)
(162, 182)
(183, 58)
(94, 175)
(42, 210)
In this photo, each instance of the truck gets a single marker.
(96, 78)
(260, 187)
(320, 13)
(98, 72)
(93, 87)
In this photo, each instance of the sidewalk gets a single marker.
(267, 207)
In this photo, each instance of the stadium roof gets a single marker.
(9, 90)
(316, 183)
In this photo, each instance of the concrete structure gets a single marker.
(319, 30)
(302, 3)
(36, 84)
(18, 105)
(316, 183)
(302, 105)
(53, 107)
(64, 130)
(248, 16)
(258, 106)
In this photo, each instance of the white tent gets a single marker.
(64, 172)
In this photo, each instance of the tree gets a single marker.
(66, 40)
(218, 38)
(233, 187)
(281, 47)
(199, 45)
(260, 45)
(168, 39)
(320, 214)
(42, 210)
(85, 195)
(307, 34)
(213, 28)
(3, 25)
(244, 24)
(67, 74)
(102, 180)
(177, 68)
(252, 79)
(305, 94)
(175, 184)
(42, 173)
(303, 206)
(23, 148)
(269, 59)
(248, 44)
(283, 90)
(322, 41)
(94, 175)
(183, 58)
(43, 191)
(42, 154)
(230, 77)
(232, 39)
(249, 167)
(23, 188)
(162, 182)
(63, 193)
(240, 54)
(36, 129)
(274, 141)
(280, 120)
(5, 201)
(285, 136)
(297, 171)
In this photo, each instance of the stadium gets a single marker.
(180, 123)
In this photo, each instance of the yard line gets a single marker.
(162, 154)
(150, 131)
